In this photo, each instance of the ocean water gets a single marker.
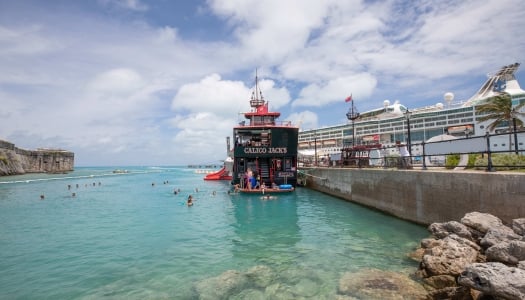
(129, 236)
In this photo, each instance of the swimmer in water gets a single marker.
(190, 201)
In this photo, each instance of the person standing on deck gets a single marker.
(249, 176)
(405, 155)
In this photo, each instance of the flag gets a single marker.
(348, 99)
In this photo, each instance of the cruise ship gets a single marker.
(389, 124)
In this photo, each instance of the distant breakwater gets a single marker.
(16, 161)
(425, 196)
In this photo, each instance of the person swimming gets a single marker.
(190, 201)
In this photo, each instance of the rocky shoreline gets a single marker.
(477, 258)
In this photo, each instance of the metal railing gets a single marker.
(454, 153)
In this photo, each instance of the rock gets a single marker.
(475, 262)
(453, 292)
(495, 279)
(223, 286)
(278, 291)
(429, 243)
(451, 257)
(377, 284)
(261, 276)
(440, 281)
(417, 254)
(497, 235)
(251, 294)
(481, 221)
(509, 252)
(305, 288)
(441, 230)
(518, 225)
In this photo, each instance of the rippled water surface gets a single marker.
(129, 236)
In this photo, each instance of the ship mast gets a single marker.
(255, 101)
(353, 115)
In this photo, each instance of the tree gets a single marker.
(500, 109)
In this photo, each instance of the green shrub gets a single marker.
(472, 160)
(3, 159)
(501, 162)
(452, 161)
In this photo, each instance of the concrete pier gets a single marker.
(425, 196)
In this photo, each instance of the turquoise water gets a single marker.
(129, 236)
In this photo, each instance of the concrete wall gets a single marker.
(426, 196)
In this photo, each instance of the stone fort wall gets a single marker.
(15, 161)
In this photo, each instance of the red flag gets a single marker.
(348, 99)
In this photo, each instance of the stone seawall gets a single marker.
(16, 161)
(427, 196)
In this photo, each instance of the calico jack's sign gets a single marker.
(265, 150)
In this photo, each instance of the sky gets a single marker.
(162, 83)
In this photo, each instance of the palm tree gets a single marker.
(500, 109)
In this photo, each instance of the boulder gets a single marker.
(496, 235)
(261, 276)
(377, 284)
(453, 292)
(430, 243)
(481, 221)
(441, 230)
(508, 252)
(440, 281)
(479, 258)
(223, 286)
(451, 257)
(518, 225)
(495, 279)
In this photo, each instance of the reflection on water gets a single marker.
(266, 230)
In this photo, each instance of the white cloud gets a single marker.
(211, 94)
(135, 5)
(305, 120)
(225, 97)
(272, 30)
(120, 82)
(336, 90)
(115, 87)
